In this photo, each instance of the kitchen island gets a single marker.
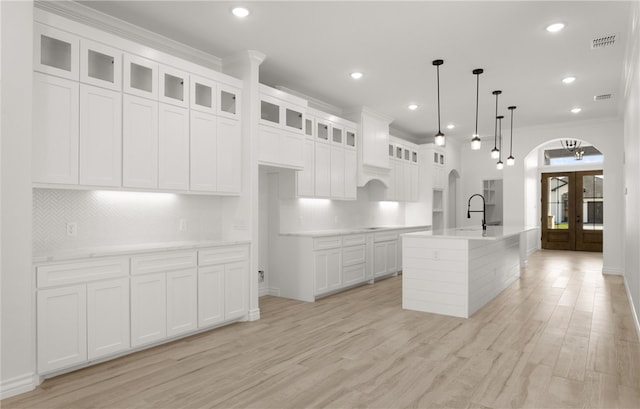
(457, 271)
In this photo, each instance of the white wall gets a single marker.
(17, 339)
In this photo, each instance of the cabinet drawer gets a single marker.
(385, 236)
(354, 239)
(353, 274)
(222, 255)
(353, 255)
(81, 271)
(323, 243)
(161, 262)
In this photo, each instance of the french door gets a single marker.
(572, 210)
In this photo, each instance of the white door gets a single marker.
(148, 308)
(229, 156)
(107, 317)
(210, 295)
(62, 327)
(55, 129)
(327, 265)
(323, 170)
(100, 136)
(204, 152)
(235, 290)
(173, 148)
(305, 179)
(350, 174)
(337, 172)
(140, 142)
(182, 301)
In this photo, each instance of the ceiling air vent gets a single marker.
(602, 97)
(603, 41)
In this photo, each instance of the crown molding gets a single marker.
(96, 19)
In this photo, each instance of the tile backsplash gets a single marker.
(106, 218)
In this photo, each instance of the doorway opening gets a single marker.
(572, 210)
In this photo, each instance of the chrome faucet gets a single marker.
(484, 213)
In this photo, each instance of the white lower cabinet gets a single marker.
(62, 327)
(182, 302)
(210, 295)
(385, 258)
(328, 270)
(107, 317)
(148, 308)
(235, 290)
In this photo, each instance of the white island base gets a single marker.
(457, 271)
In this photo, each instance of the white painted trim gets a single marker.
(614, 271)
(17, 385)
(262, 291)
(254, 314)
(88, 16)
(633, 310)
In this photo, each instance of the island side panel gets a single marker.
(493, 266)
(435, 276)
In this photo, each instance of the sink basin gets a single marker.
(372, 228)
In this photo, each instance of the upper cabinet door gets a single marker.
(173, 148)
(271, 111)
(229, 156)
(174, 87)
(229, 101)
(350, 138)
(55, 129)
(203, 95)
(294, 118)
(204, 148)
(55, 52)
(337, 134)
(139, 142)
(100, 65)
(140, 77)
(100, 136)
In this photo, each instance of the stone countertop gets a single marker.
(125, 250)
(472, 233)
(353, 230)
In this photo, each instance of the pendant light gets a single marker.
(500, 164)
(439, 138)
(495, 152)
(475, 141)
(511, 160)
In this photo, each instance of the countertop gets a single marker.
(89, 252)
(353, 230)
(472, 233)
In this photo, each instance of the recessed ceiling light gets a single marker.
(576, 110)
(568, 80)
(356, 75)
(555, 27)
(451, 126)
(413, 107)
(240, 12)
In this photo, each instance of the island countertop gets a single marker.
(471, 233)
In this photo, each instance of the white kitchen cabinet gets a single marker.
(100, 65)
(204, 152)
(139, 142)
(210, 295)
(55, 129)
(228, 105)
(148, 308)
(415, 183)
(305, 179)
(203, 95)
(350, 174)
(229, 156)
(62, 327)
(107, 317)
(328, 270)
(398, 181)
(294, 118)
(350, 137)
(173, 147)
(55, 52)
(337, 134)
(174, 87)
(375, 138)
(353, 274)
(182, 301)
(323, 170)
(100, 136)
(407, 181)
(385, 260)
(140, 77)
(337, 172)
(236, 290)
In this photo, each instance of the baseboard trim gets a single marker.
(254, 314)
(633, 310)
(17, 385)
(612, 271)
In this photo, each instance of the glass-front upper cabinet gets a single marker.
(414, 157)
(140, 77)
(203, 95)
(174, 87)
(55, 52)
(337, 134)
(228, 101)
(308, 127)
(350, 138)
(407, 154)
(294, 119)
(322, 131)
(100, 65)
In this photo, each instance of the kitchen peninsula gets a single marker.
(457, 271)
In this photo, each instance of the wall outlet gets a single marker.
(72, 229)
(182, 225)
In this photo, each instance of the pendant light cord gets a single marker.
(495, 131)
(511, 140)
(438, 75)
(477, 99)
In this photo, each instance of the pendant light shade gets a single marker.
(439, 137)
(500, 164)
(495, 152)
(511, 160)
(475, 141)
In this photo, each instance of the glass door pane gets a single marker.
(558, 202)
(592, 202)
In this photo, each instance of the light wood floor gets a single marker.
(560, 337)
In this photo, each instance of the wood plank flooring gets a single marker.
(560, 337)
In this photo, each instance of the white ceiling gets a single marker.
(312, 47)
